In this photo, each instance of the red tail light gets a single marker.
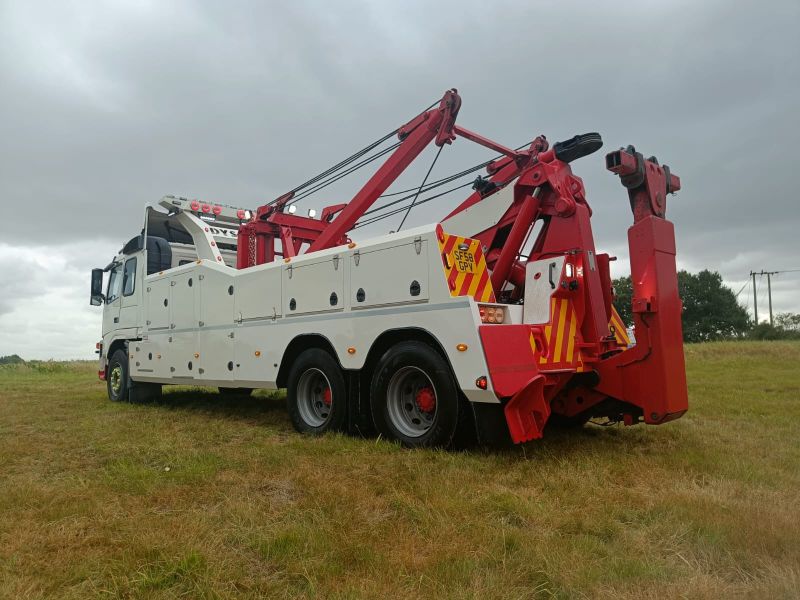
(205, 208)
(240, 214)
(195, 205)
(216, 210)
(482, 382)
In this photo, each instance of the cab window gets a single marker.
(129, 277)
(114, 284)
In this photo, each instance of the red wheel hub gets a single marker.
(327, 397)
(426, 400)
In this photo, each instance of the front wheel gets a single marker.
(414, 397)
(316, 395)
(117, 378)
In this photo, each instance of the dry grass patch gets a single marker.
(201, 496)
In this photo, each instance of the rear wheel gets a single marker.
(117, 376)
(414, 397)
(316, 395)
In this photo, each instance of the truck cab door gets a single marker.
(111, 309)
(130, 305)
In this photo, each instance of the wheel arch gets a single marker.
(116, 344)
(298, 345)
(390, 337)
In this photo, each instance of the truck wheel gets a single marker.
(316, 395)
(117, 379)
(414, 397)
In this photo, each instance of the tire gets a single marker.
(117, 381)
(316, 395)
(414, 397)
(235, 391)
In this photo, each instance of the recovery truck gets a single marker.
(420, 335)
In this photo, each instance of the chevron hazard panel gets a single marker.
(465, 266)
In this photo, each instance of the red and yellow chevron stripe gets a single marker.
(618, 329)
(561, 334)
(465, 267)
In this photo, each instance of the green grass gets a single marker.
(200, 496)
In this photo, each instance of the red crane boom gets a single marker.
(646, 381)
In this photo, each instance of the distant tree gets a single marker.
(12, 359)
(623, 296)
(788, 321)
(787, 327)
(710, 309)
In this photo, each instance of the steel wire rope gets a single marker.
(424, 179)
(347, 161)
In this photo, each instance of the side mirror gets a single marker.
(97, 297)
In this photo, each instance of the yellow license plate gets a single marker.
(463, 260)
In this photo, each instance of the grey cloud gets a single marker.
(106, 107)
(16, 281)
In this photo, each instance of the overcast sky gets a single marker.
(106, 106)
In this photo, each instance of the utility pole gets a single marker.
(769, 275)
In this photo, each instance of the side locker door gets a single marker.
(216, 325)
(257, 307)
(407, 282)
(157, 304)
(182, 341)
(157, 330)
(313, 287)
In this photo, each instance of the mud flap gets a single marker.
(527, 411)
(491, 426)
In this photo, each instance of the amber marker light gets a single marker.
(462, 347)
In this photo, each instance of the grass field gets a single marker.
(204, 497)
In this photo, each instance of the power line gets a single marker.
(741, 290)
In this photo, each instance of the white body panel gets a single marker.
(230, 328)
(542, 278)
(482, 215)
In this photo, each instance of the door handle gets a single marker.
(550, 275)
(116, 319)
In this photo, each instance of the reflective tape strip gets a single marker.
(617, 327)
(561, 334)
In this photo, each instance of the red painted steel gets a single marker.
(601, 376)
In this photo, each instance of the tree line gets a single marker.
(711, 311)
